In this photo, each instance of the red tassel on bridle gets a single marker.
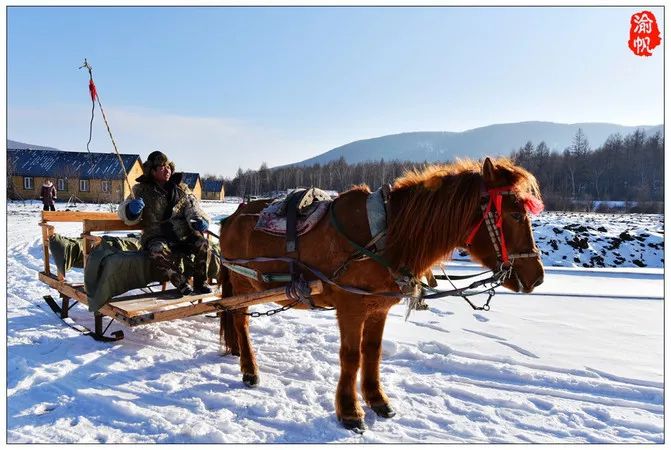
(533, 205)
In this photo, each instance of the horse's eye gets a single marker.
(517, 216)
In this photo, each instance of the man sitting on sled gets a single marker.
(172, 220)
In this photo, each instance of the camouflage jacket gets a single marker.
(175, 227)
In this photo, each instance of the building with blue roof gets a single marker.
(91, 177)
(192, 180)
(213, 189)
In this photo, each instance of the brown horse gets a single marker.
(432, 212)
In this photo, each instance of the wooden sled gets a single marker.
(133, 310)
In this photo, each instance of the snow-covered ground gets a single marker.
(579, 360)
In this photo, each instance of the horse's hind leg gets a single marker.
(348, 410)
(371, 351)
(248, 366)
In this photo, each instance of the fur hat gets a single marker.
(156, 159)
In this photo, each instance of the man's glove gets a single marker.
(200, 224)
(135, 206)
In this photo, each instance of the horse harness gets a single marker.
(297, 202)
(409, 284)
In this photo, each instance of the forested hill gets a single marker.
(625, 168)
(492, 140)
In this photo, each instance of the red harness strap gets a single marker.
(495, 199)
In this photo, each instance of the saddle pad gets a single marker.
(269, 222)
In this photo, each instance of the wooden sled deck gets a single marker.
(140, 309)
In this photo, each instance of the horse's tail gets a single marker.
(228, 338)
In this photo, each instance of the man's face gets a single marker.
(162, 173)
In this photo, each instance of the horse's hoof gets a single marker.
(356, 425)
(250, 380)
(384, 410)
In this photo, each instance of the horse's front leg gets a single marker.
(371, 351)
(348, 409)
(248, 366)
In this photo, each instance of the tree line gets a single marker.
(628, 169)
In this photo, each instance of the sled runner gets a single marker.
(131, 310)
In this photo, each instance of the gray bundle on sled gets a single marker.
(116, 266)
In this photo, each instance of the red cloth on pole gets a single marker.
(92, 90)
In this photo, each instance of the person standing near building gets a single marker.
(48, 195)
(173, 222)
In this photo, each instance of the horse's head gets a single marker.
(501, 234)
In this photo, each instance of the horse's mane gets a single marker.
(434, 208)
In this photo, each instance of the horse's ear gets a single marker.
(488, 171)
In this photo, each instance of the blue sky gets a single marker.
(222, 88)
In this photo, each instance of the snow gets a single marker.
(579, 360)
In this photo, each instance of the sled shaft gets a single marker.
(153, 310)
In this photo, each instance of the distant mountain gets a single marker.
(15, 145)
(491, 140)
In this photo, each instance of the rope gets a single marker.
(94, 96)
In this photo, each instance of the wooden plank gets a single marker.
(86, 244)
(76, 216)
(46, 231)
(73, 291)
(133, 305)
(209, 303)
(76, 292)
(107, 225)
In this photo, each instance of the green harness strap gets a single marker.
(259, 276)
(383, 262)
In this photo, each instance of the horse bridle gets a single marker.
(492, 216)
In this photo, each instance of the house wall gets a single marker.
(133, 174)
(214, 195)
(198, 189)
(117, 192)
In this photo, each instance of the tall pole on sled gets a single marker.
(95, 97)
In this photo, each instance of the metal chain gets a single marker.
(272, 312)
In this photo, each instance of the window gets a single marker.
(105, 186)
(83, 185)
(28, 183)
(61, 185)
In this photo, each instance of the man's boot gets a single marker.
(181, 283)
(200, 286)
